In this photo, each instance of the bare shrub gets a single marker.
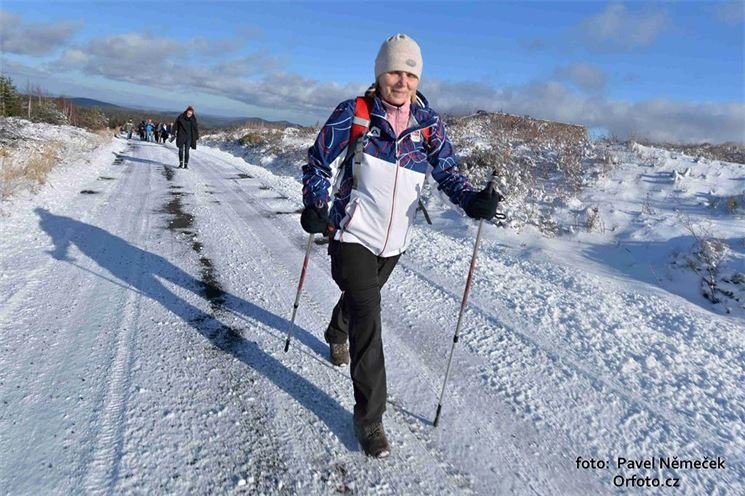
(647, 208)
(735, 203)
(252, 138)
(482, 162)
(726, 152)
(47, 111)
(593, 220)
(31, 173)
(570, 163)
(708, 256)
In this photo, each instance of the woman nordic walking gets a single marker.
(377, 183)
(186, 132)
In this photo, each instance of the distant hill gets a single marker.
(118, 115)
(89, 102)
(256, 121)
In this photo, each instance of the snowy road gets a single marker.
(142, 351)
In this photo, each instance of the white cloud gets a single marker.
(19, 37)
(618, 29)
(257, 63)
(658, 119)
(585, 76)
(74, 57)
(18, 70)
(135, 48)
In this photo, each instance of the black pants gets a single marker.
(360, 275)
(183, 153)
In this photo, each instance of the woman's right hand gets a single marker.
(315, 220)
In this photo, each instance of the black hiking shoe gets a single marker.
(186, 166)
(339, 354)
(181, 166)
(372, 439)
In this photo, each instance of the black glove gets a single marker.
(315, 219)
(483, 205)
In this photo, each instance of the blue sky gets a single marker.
(666, 70)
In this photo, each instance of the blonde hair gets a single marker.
(373, 91)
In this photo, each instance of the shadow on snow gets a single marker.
(143, 271)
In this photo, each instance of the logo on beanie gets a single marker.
(411, 62)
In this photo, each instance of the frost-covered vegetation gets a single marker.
(36, 106)
(29, 151)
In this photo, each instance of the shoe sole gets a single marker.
(382, 454)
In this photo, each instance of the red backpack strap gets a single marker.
(361, 121)
(360, 125)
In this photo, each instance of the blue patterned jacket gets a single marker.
(375, 196)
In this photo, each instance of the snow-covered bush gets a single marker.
(91, 118)
(709, 254)
(29, 151)
(46, 111)
(540, 164)
(735, 203)
(29, 173)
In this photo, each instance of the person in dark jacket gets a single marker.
(186, 132)
(376, 186)
(164, 132)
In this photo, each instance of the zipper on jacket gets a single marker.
(395, 186)
(393, 202)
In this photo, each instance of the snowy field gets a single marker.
(144, 310)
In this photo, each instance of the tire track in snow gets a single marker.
(58, 403)
(102, 470)
(240, 200)
(663, 425)
(33, 279)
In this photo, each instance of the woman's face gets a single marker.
(397, 87)
(188, 113)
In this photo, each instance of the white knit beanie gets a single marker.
(399, 53)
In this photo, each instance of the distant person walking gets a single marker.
(149, 129)
(186, 132)
(163, 132)
(128, 127)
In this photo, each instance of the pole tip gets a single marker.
(287, 345)
(437, 415)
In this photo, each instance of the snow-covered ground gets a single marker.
(142, 330)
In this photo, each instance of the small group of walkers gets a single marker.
(153, 132)
(375, 183)
(184, 131)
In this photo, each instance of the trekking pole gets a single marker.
(299, 289)
(463, 303)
